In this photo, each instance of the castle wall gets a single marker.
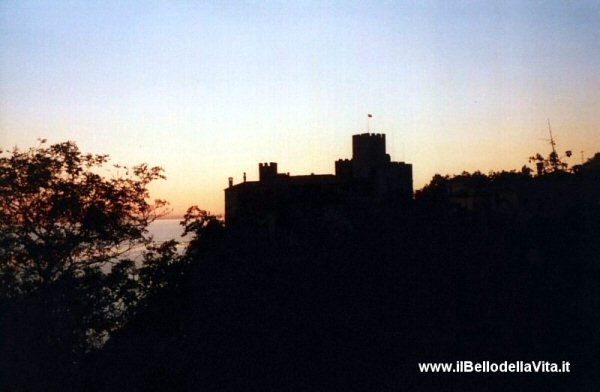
(367, 180)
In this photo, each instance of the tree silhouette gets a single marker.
(58, 215)
(207, 229)
(64, 285)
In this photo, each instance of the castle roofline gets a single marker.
(287, 179)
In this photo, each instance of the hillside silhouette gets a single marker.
(498, 267)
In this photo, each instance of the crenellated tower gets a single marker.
(267, 171)
(368, 180)
(368, 154)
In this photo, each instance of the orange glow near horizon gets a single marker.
(208, 91)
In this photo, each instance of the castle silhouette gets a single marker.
(278, 201)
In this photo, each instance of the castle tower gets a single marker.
(368, 154)
(267, 171)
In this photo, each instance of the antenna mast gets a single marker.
(553, 163)
(552, 142)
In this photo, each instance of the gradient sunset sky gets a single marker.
(209, 89)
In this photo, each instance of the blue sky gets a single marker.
(209, 89)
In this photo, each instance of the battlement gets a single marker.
(343, 169)
(368, 149)
(371, 135)
(267, 171)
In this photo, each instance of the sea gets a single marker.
(166, 230)
(162, 230)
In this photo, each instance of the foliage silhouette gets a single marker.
(59, 216)
(291, 310)
(311, 309)
(66, 286)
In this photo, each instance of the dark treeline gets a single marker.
(500, 267)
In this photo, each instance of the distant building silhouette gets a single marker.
(519, 194)
(278, 201)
